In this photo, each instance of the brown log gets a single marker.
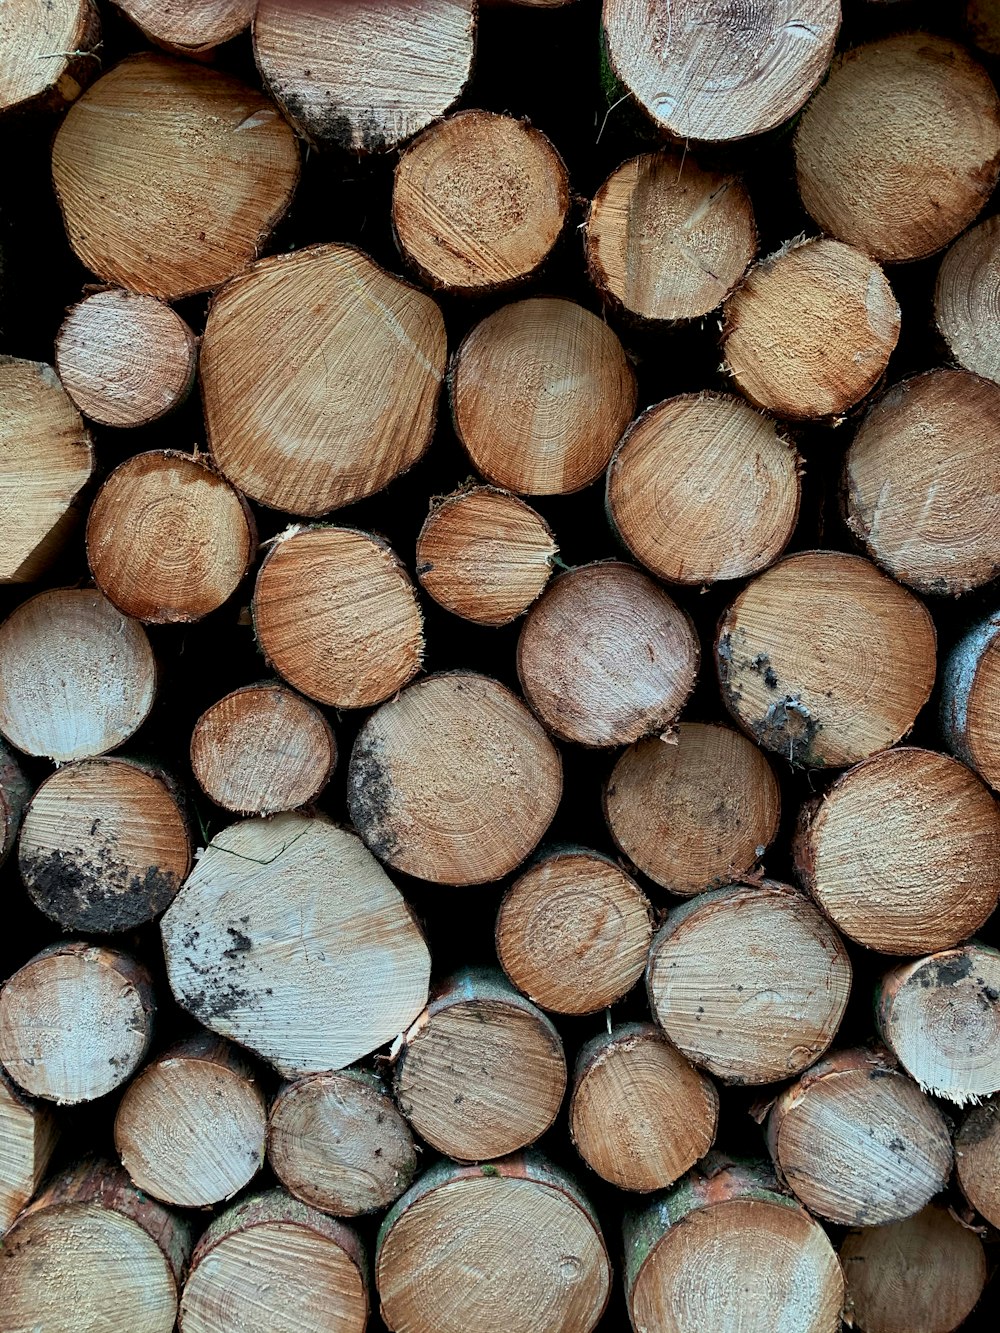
(970, 700)
(46, 459)
(965, 297)
(337, 616)
(977, 1160)
(452, 1255)
(858, 1142)
(478, 201)
(944, 117)
(481, 1073)
(336, 1141)
(261, 750)
(922, 479)
(453, 781)
(923, 1275)
(640, 1114)
(694, 810)
(573, 932)
(824, 660)
(171, 176)
(190, 1129)
(48, 53)
(982, 19)
(189, 27)
(751, 983)
(810, 330)
(903, 852)
(290, 939)
(28, 1135)
(703, 488)
(667, 238)
(75, 1022)
(15, 792)
(72, 644)
(485, 555)
(541, 370)
(307, 412)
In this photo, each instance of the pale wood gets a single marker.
(977, 1159)
(667, 238)
(478, 201)
(28, 1135)
(702, 488)
(903, 852)
(75, 1022)
(171, 176)
(320, 374)
(970, 699)
(825, 660)
(481, 1073)
(337, 616)
(966, 301)
(541, 391)
(923, 1275)
(982, 19)
(512, 1246)
(454, 780)
(573, 931)
(701, 75)
(336, 1141)
(608, 688)
(46, 459)
(943, 119)
(858, 1142)
(15, 792)
(48, 53)
(275, 1261)
(189, 27)
(485, 555)
(190, 1129)
(810, 330)
(289, 938)
(72, 644)
(751, 983)
(261, 750)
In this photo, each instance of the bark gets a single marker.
(978, 1161)
(189, 29)
(28, 1135)
(970, 699)
(965, 297)
(15, 793)
(48, 54)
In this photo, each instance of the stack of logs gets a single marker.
(497, 787)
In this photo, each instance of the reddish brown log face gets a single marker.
(47, 53)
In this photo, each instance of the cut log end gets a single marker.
(48, 53)
(28, 1135)
(977, 1159)
(189, 29)
(970, 700)
(15, 792)
(966, 304)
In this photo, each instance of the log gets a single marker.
(190, 1129)
(694, 811)
(982, 20)
(337, 616)
(290, 939)
(75, 1022)
(667, 238)
(810, 330)
(703, 488)
(189, 27)
(573, 931)
(306, 414)
(15, 792)
(453, 1069)
(977, 1161)
(478, 201)
(944, 117)
(970, 700)
(92, 1252)
(750, 983)
(171, 176)
(699, 75)
(444, 1261)
(940, 1017)
(47, 460)
(640, 1115)
(541, 369)
(71, 643)
(825, 660)
(261, 750)
(125, 359)
(940, 539)
(48, 53)
(923, 1275)
(336, 1141)
(360, 75)
(903, 852)
(725, 1241)
(105, 845)
(965, 298)
(28, 1136)
(858, 1142)
(613, 687)
(485, 555)
(454, 781)
(287, 1266)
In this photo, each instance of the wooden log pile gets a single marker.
(499, 666)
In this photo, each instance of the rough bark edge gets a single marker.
(959, 672)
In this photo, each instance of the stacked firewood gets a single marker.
(499, 666)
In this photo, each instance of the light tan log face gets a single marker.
(970, 700)
(944, 117)
(966, 300)
(189, 27)
(28, 1135)
(46, 52)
